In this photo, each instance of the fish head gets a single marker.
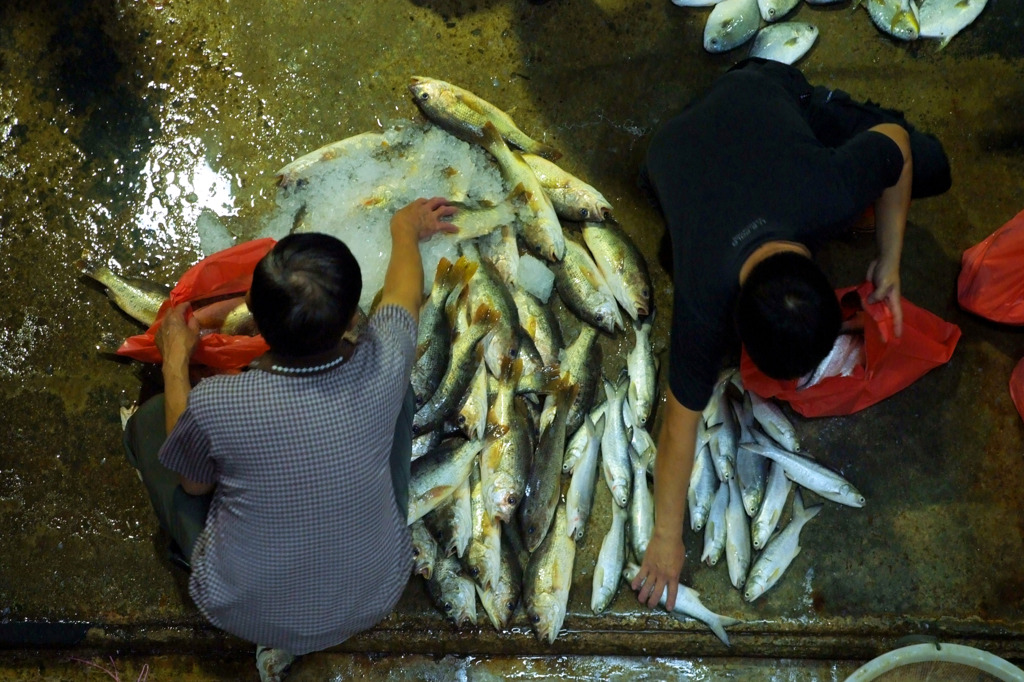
(500, 602)
(753, 589)
(620, 493)
(905, 26)
(504, 498)
(546, 615)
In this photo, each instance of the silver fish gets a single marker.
(618, 472)
(774, 422)
(610, 560)
(784, 42)
(580, 497)
(714, 530)
(548, 579)
(688, 604)
(580, 440)
(641, 508)
(832, 364)
(945, 18)
(811, 475)
(724, 440)
(730, 24)
(425, 442)
(622, 265)
(452, 592)
(703, 485)
(752, 476)
(780, 551)
(435, 476)
(775, 495)
(640, 439)
(737, 537)
(584, 290)
(572, 198)
(465, 114)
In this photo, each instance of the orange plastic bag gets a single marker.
(991, 281)
(220, 274)
(890, 364)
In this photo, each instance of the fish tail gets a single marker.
(547, 151)
(551, 379)
(486, 315)
(511, 370)
(444, 267)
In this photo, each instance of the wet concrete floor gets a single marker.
(121, 122)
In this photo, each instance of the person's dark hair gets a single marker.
(787, 315)
(304, 293)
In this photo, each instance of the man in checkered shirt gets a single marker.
(286, 486)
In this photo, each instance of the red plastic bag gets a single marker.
(991, 281)
(220, 274)
(890, 364)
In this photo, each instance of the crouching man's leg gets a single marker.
(181, 515)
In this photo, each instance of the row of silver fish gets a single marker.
(732, 23)
(748, 459)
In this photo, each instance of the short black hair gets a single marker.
(787, 315)
(304, 293)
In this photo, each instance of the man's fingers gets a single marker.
(673, 589)
(897, 314)
(656, 590)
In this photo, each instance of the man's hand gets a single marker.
(663, 562)
(177, 338)
(886, 278)
(423, 218)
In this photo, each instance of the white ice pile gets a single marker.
(353, 195)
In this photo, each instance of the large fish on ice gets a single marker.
(462, 113)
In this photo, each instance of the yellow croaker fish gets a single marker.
(296, 170)
(139, 298)
(572, 198)
(539, 221)
(462, 113)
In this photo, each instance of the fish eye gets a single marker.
(424, 96)
(771, 11)
(584, 213)
(599, 317)
(447, 607)
(530, 530)
(474, 572)
(415, 551)
(534, 618)
(510, 605)
(512, 500)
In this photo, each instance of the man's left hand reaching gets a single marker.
(886, 278)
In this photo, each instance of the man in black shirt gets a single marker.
(750, 179)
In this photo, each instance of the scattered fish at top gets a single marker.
(461, 113)
(784, 42)
(730, 24)
(898, 18)
(945, 18)
(774, 10)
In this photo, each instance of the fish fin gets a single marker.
(487, 315)
(598, 426)
(551, 381)
(945, 41)
(547, 151)
(444, 266)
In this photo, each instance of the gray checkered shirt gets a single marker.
(304, 545)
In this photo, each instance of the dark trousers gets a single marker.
(182, 515)
(835, 117)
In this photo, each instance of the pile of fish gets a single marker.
(513, 436)
(748, 460)
(732, 23)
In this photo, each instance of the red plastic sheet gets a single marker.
(991, 281)
(220, 274)
(890, 365)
